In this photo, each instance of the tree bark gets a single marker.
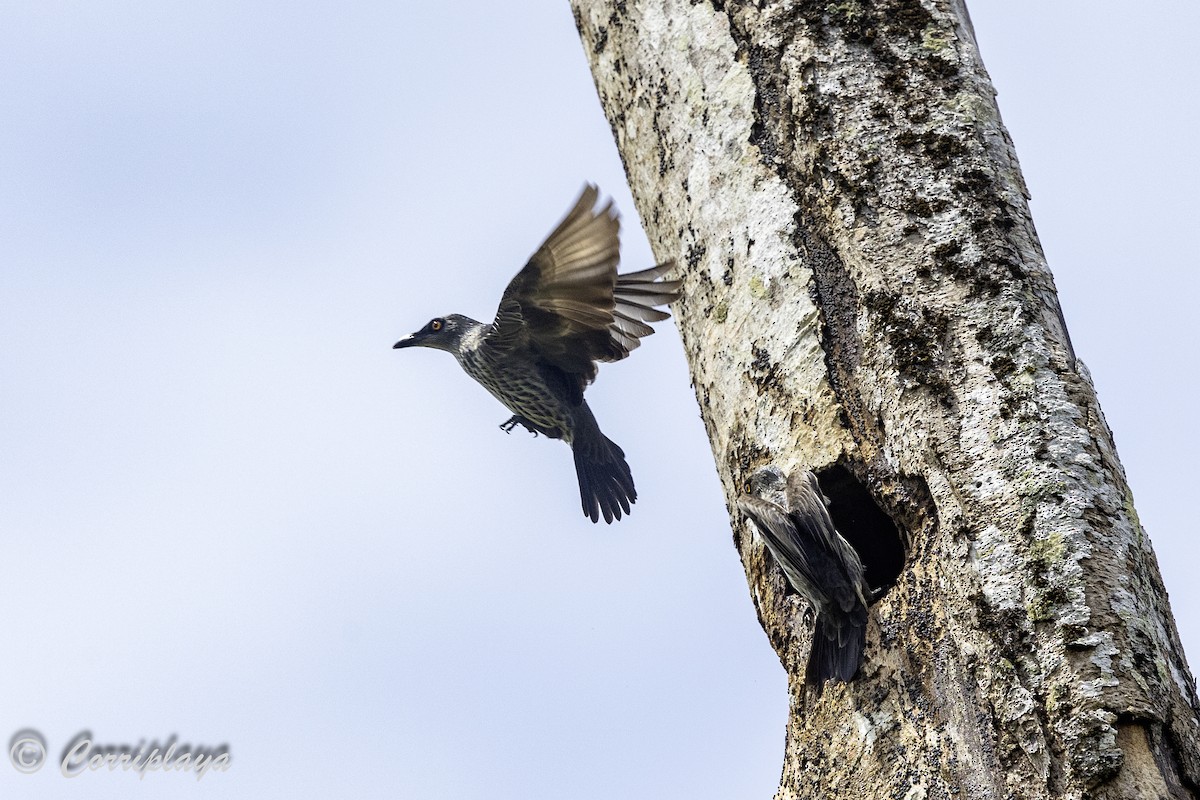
(865, 295)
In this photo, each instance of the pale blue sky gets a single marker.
(230, 511)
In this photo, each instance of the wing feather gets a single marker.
(569, 305)
(810, 512)
(780, 534)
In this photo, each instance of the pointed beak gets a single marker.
(407, 341)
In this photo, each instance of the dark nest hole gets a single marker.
(861, 522)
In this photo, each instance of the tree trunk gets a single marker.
(865, 295)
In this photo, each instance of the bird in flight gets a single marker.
(793, 517)
(564, 311)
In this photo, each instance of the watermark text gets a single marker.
(83, 754)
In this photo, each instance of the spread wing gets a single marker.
(569, 305)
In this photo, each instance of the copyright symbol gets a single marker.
(27, 751)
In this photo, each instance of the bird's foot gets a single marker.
(516, 420)
(808, 617)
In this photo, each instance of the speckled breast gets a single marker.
(519, 386)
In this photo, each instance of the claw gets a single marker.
(516, 420)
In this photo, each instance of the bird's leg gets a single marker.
(809, 616)
(516, 420)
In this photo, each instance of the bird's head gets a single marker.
(770, 484)
(440, 333)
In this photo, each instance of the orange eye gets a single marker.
(436, 325)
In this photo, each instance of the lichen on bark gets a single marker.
(863, 287)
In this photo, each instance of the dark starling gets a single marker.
(820, 565)
(566, 310)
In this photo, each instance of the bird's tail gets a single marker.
(837, 649)
(605, 482)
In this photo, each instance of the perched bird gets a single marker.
(821, 566)
(563, 312)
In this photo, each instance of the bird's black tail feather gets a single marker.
(837, 649)
(605, 482)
